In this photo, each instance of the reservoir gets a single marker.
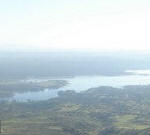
(82, 83)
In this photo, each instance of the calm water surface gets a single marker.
(81, 83)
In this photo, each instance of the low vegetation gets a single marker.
(97, 111)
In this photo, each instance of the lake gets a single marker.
(82, 83)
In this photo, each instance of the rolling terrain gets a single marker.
(98, 111)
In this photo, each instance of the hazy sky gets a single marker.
(69, 24)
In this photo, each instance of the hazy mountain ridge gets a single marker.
(70, 63)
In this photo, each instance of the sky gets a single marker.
(75, 24)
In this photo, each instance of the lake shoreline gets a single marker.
(77, 83)
(9, 88)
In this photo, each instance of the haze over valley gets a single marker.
(74, 67)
